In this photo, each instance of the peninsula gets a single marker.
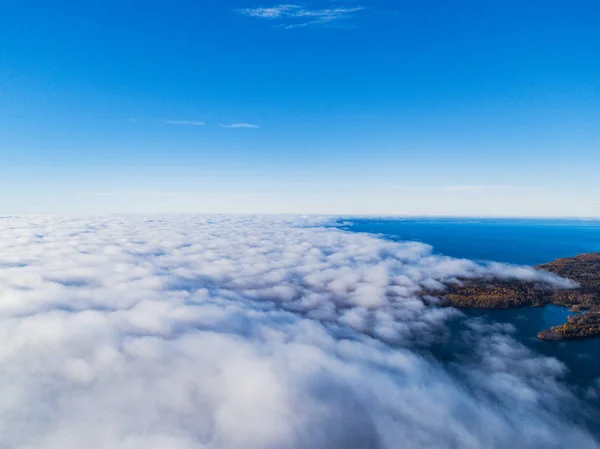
(583, 269)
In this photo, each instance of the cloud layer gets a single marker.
(249, 332)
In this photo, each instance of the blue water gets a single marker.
(516, 241)
(528, 242)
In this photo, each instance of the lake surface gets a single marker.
(526, 242)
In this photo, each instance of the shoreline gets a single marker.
(584, 269)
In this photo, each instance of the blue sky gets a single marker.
(343, 107)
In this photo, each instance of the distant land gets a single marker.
(501, 294)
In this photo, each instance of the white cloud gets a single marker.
(299, 15)
(179, 122)
(272, 12)
(240, 125)
(253, 332)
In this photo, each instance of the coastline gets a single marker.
(584, 269)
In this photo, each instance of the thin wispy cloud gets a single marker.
(183, 122)
(239, 125)
(273, 12)
(481, 187)
(460, 187)
(298, 16)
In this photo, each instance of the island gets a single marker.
(583, 269)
